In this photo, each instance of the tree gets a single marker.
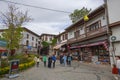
(48, 45)
(77, 14)
(45, 44)
(13, 20)
(45, 49)
(53, 43)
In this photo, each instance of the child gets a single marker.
(38, 61)
(115, 71)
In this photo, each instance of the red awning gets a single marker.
(2, 49)
(95, 44)
(104, 43)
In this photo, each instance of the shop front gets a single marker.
(60, 49)
(96, 52)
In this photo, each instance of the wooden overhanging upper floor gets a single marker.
(91, 16)
(94, 27)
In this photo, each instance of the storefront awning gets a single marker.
(2, 49)
(58, 46)
(104, 43)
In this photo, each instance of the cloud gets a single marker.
(50, 28)
(49, 21)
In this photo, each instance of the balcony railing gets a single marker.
(72, 40)
(89, 34)
(81, 36)
(96, 32)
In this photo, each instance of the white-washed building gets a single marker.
(29, 43)
(114, 24)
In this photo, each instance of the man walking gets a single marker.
(54, 60)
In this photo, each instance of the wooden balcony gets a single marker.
(71, 40)
(97, 32)
(81, 36)
(91, 34)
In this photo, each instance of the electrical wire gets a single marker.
(35, 6)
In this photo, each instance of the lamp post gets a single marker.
(111, 47)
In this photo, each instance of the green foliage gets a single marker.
(4, 63)
(22, 57)
(26, 61)
(54, 41)
(13, 37)
(13, 19)
(2, 39)
(77, 14)
(45, 44)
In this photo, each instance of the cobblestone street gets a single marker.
(82, 71)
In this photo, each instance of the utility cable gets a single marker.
(35, 6)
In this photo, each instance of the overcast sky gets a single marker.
(51, 22)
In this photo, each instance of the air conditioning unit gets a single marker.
(114, 38)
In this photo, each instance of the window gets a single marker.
(27, 36)
(36, 45)
(27, 42)
(50, 38)
(58, 39)
(70, 33)
(77, 33)
(36, 40)
(94, 26)
(45, 38)
(63, 37)
(81, 28)
(74, 34)
(33, 38)
(66, 36)
(42, 38)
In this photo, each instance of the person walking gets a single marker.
(118, 64)
(115, 71)
(49, 61)
(69, 59)
(35, 59)
(44, 60)
(65, 59)
(54, 60)
(38, 61)
(61, 58)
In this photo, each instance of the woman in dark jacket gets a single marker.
(49, 61)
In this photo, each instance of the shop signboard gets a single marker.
(3, 43)
(14, 68)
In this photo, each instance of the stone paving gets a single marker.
(78, 71)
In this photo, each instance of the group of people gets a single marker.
(50, 59)
(65, 59)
